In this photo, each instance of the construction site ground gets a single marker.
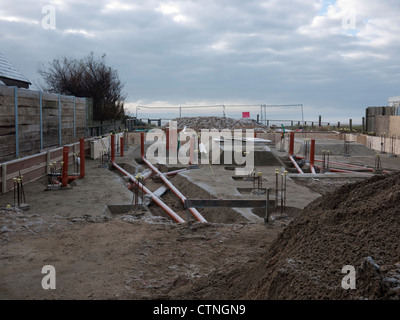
(103, 253)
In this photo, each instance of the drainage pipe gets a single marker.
(121, 150)
(142, 145)
(157, 200)
(296, 165)
(291, 144)
(347, 171)
(312, 155)
(112, 148)
(167, 139)
(193, 211)
(147, 175)
(171, 173)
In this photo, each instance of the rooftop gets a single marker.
(8, 71)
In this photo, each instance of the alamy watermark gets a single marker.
(233, 146)
(349, 20)
(49, 280)
(349, 280)
(49, 20)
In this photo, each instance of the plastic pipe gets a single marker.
(147, 175)
(82, 158)
(64, 179)
(112, 148)
(296, 165)
(347, 171)
(171, 173)
(291, 144)
(193, 211)
(312, 155)
(142, 145)
(69, 178)
(157, 200)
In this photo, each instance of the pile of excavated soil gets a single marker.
(220, 123)
(358, 225)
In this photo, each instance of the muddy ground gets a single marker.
(132, 255)
(123, 258)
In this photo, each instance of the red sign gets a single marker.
(245, 114)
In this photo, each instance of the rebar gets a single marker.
(259, 180)
(378, 164)
(15, 189)
(253, 178)
(323, 161)
(18, 182)
(327, 162)
(346, 149)
(22, 188)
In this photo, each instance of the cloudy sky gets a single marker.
(333, 57)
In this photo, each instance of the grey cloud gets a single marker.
(255, 51)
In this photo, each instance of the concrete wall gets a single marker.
(382, 124)
(21, 132)
(382, 120)
(394, 125)
(384, 143)
(98, 144)
(385, 124)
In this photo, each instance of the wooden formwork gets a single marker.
(36, 166)
(31, 121)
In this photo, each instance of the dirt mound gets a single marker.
(220, 123)
(356, 225)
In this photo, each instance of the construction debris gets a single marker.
(124, 250)
(354, 225)
(219, 123)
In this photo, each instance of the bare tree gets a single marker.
(89, 78)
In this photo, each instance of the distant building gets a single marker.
(10, 76)
(384, 120)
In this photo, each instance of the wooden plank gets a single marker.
(7, 119)
(7, 130)
(28, 94)
(22, 164)
(7, 147)
(6, 108)
(29, 173)
(29, 121)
